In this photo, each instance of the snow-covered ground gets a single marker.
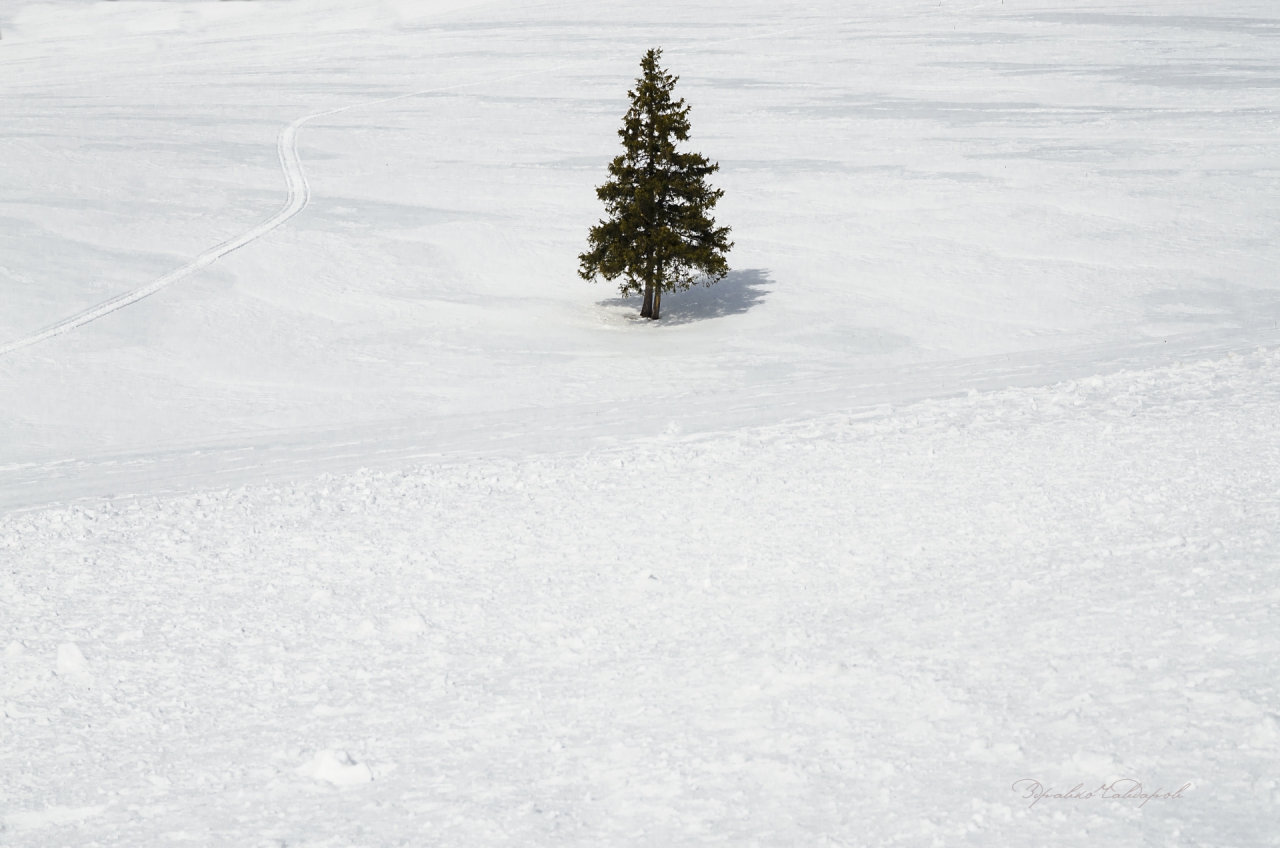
(386, 529)
(851, 631)
(907, 182)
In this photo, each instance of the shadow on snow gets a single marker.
(737, 293)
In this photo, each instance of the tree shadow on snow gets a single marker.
(737, 293)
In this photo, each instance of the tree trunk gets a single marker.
(646, 310)
(657, 302)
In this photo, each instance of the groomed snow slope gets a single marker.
(842, 632)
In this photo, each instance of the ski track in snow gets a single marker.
(298, 195)
(855, 630)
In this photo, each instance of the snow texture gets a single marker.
(349, 517)
(863, 629)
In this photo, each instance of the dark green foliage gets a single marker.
(659, 234)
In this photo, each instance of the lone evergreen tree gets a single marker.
(659, 234)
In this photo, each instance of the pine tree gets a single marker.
(659, 234)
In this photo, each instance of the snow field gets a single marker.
(590, 591)
(845, 631)
(907, 182)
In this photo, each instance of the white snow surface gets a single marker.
(910, 185)
(348, 515)
(847, 631)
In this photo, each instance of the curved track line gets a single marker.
(299, 194)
